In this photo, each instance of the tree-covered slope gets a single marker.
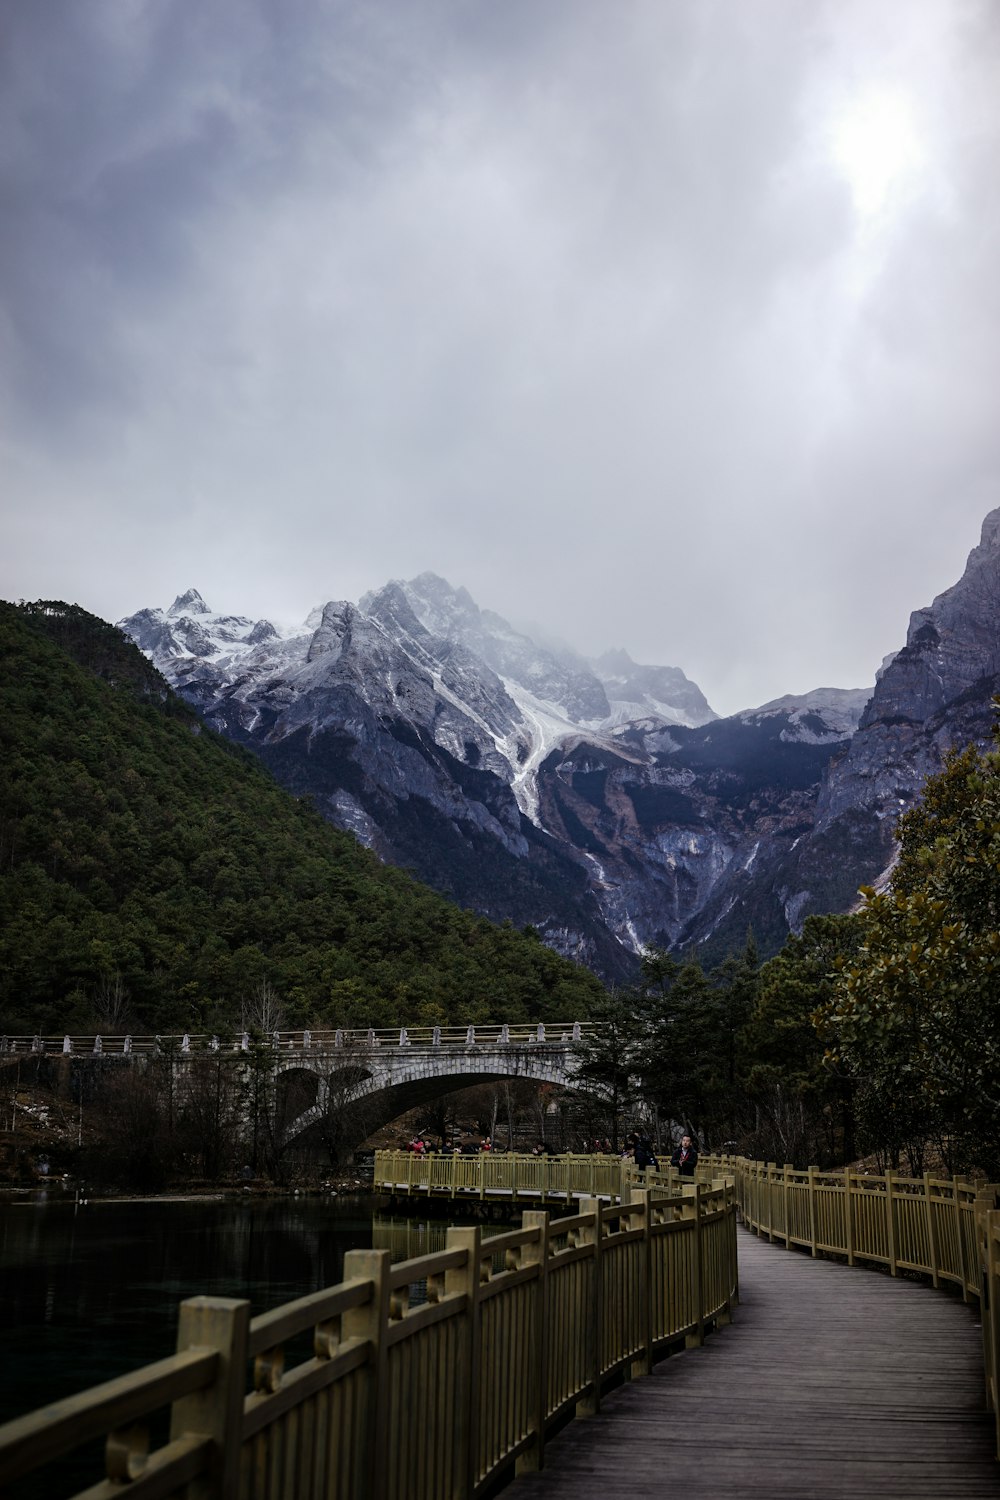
(144, 860)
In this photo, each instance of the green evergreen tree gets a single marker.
(916, 1013)
(802, 1103)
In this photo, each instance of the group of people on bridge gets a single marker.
(638, 1148)
(421, 1146)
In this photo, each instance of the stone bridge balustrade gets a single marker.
(447, 1037)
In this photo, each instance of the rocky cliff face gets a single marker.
(601, 801)
(934, 694)
(797, 847)
(684, 834)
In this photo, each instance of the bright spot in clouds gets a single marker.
(877, 146)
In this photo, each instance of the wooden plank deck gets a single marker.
(833, 1383)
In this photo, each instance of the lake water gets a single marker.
(89, 1291)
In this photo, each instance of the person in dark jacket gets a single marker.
(642, 1148)
(685, 1157)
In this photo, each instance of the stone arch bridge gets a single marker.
(342, 1085)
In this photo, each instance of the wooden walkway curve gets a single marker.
(833, 1383)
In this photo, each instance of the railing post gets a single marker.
(812, 1211)
(696, 1338)
(786, 1178)
(538, 1254)
(592, 1234)
(849, 1215)
(727, 1188)
(371, 1322)
(465, 1280)
(644, 1364)
(750, 1198)
(932, 1234)
(967, 1284)
(732, 1203)
(987, 1234)
(890, 1222)
(222, 1324)
(988, 1278)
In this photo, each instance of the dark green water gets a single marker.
(89, 1292)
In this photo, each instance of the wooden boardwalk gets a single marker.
(833, 1383)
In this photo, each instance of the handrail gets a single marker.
(467, 1357)
(520, 1179)
(497, 1176)
(494, 1034)
(43, 1435)
(946, 1229)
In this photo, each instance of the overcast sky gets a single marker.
(664, 324)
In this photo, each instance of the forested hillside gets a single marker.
(152, 874)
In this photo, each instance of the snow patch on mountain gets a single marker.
(815, 717)
(660, 694)
(545, 727)
(646, 710)
(189, 629)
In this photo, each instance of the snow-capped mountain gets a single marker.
(601, 801)
(421, 650)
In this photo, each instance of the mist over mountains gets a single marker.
(600, 801)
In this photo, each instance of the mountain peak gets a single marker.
(190, 603)
(991, 530)
(439, 606)
(952, 644)
(429, 582)
(615, 660)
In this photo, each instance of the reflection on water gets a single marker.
(405, 1238)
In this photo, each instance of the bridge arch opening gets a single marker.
(527, 1107)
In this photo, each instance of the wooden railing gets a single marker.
(426, 1379)
(506, 1176)
(947, 1230)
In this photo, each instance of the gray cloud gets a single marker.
(672, 327)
